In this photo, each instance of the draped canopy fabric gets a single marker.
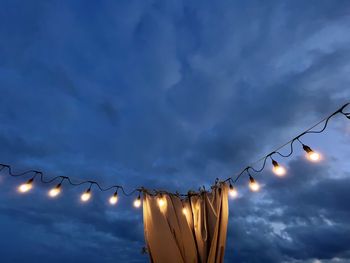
(186, 231)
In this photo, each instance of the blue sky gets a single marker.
(171, 95)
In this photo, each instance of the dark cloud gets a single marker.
(302, 217)
(171, 95)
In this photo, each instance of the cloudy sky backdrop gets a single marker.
(171, 95)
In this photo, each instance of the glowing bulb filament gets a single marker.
(311, 155)
(278, 169)
(161, 201)
(314, 156)
(55, 191)
(254, 186)
(233, 192)
(185, 211)
(23, 188)
(137, 202)
(86, 196)
(113, 199)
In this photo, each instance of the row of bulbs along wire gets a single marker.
(277, 169)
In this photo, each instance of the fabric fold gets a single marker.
(186, 231)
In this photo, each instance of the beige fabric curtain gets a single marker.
(190, 231)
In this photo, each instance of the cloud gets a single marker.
(171, 95)
(300, 218)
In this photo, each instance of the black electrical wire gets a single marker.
(232, 179)
(276, 151)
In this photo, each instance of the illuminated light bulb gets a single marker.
(233, 191)
(113, 199)
(23, 188)
(86, 195)
(310, 154)
(278, 169)
(161, 201)
(254, 186)
(185, 211)
(55, 191)
(137, 202)
(314, 156)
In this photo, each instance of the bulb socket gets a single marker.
(30, 181)
(275, 164)
(307, 149)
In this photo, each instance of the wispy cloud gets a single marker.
(172, 95)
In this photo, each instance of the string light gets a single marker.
(55, 191)
(114, 198)
(254, 186)
(161, 201)
(27, 186)
(184, 208)
(86, 195)
(311, 155)
(233, 191)
(278, 169)
(137, 202)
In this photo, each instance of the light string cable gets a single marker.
(231, 180)
(67, 179)
(235, 178)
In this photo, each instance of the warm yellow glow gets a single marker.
(313, 156)
(254, 186)
(54, 192)
(113, 199)
(86, 196)
(233, 192)
(279, 170)
(161, 201)
(137, 202)
(23, 188)
(185, 211)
